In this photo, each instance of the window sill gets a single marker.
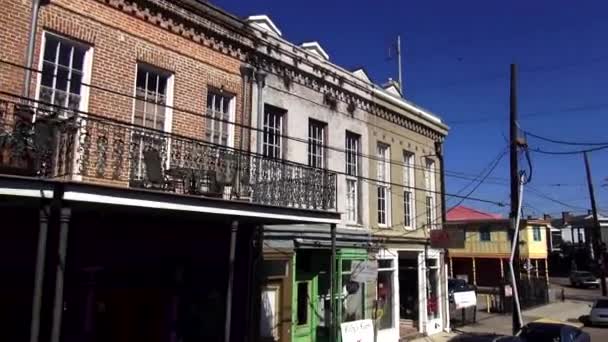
(354, 225)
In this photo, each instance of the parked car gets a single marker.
(583, 279)
(458, 285)
(547, 331)
(599, 312)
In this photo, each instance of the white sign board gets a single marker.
(364, 271)
(358, 331)
(465, 299)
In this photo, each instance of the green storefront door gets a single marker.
(304, 308)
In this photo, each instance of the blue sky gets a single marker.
(456, 63)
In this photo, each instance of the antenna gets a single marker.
(399, 70)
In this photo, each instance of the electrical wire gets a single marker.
(528, 133)
(92, 115)
(453, 174)
(538, 150)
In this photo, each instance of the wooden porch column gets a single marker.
(536, 267)
(528, 267)
(451, 268)
(39, 275)
(474, 272)
(502, 268)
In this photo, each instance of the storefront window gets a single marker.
(352, 299)
(432, 289)
(385, 298)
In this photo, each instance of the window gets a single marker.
(385, 292)
(270, 312)
(220, 116)
(432, 297)
(408, 193)
(352, 297)
(536, 233)
(302, 303)
(430, 209)
(151, 95)
(316, 143)
(352, 172)
(484, 234)
(63, 72)
(429, 182)
(383, 153)
(272, 132)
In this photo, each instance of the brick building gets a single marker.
(126, 177)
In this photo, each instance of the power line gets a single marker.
(563, 142)
(538, 150)
(344, 173)
(540, 194)
(453, 174)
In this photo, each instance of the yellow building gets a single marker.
(484, 259)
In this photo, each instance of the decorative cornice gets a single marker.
(244, 46)
(327, 82)
(178, 20)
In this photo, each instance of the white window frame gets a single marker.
(317, 136)
(429, 182)
(278, 117)
(352, 148)
(87, 64)
(231, 116)
(168, 124)
(83, 106)
(409, 183)
(383, 180)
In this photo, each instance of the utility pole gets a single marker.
(399, 70)
(515, 179)
(596, 232)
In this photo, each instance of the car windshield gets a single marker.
(583, 274)
(602, 304)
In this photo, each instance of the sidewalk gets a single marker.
(488, 324)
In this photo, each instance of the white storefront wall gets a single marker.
(425, 325)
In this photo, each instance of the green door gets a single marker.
(305, 303)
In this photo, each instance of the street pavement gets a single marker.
(573, 309)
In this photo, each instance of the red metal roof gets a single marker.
(462, 213)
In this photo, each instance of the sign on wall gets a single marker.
(465, 299)
(447, 238)
(358, 331)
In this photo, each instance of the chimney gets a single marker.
(529, 217)
(547, 217)
(589, 212)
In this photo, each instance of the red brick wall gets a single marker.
(120, 40)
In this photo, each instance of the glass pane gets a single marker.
(352, 300)
(62, 79)
(74, 102)
(302, 304)
(432, 298)
(78, 58)
(50, 48)
(47, 74)
(385, 297)
(152, 81)
(75, 83)
(65, 52)
(275, 268)
(141, 81)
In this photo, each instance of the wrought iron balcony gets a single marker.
(40, 141)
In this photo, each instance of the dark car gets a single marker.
(583, 278)
(458, 285)
(548, 331)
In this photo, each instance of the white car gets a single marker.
(599, 312)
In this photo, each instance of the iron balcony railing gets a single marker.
(41, 141)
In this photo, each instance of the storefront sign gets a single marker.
(465, 299)
(364, 271)
(358, 331)
(447, 238)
